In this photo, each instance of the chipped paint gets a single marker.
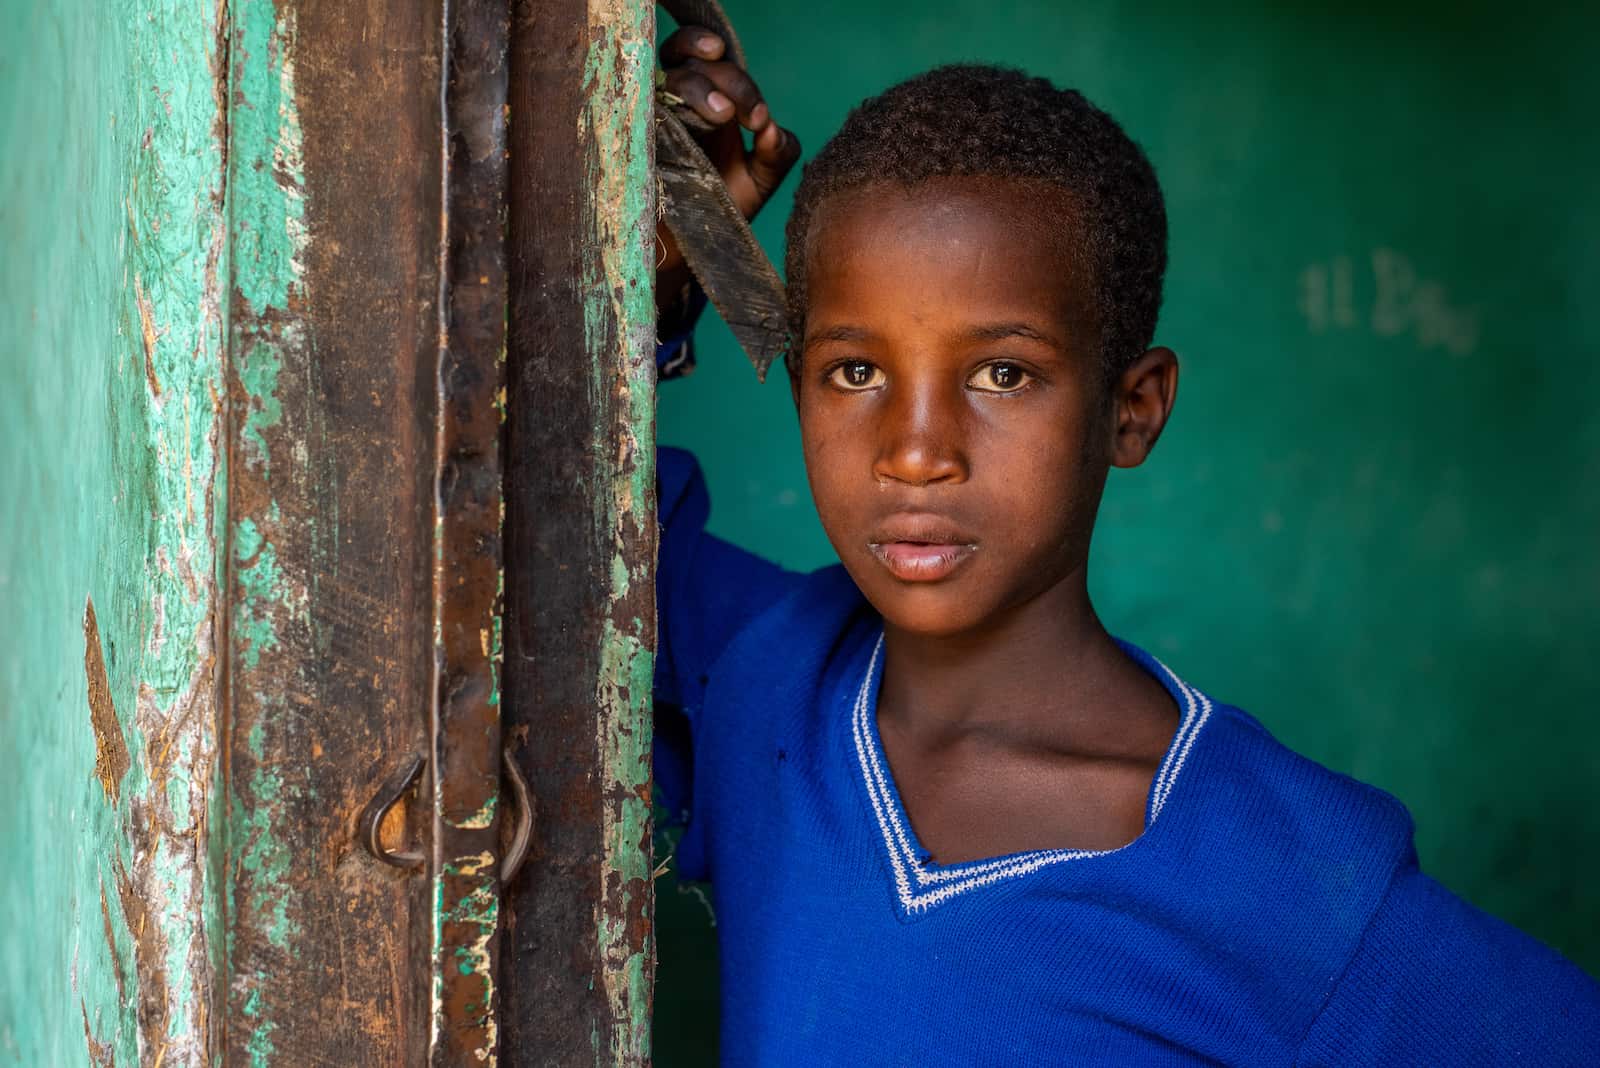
(482, 818)
(467, 916)
(620, 304)
(627, 900)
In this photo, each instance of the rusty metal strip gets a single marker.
(580, 528)
(467, 511)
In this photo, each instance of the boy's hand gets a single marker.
(725, 96)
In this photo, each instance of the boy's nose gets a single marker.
(919, 442)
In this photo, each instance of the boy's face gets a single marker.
(956, 426)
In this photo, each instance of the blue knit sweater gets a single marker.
(1271, 913)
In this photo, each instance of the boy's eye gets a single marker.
(855, 374)
(999, 378)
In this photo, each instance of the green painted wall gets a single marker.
(110, 350)
(1372, 522)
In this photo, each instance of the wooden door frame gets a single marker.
(385, 436)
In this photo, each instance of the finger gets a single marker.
(699, 93)
(735, 83)
(691, 42)
(772, 156)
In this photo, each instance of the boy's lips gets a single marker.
(921, 547)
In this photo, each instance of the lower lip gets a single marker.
(911, 561)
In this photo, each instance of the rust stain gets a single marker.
(110, 750)
(149, 334)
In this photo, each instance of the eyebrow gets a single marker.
(984, 332)
(1001, 331)
(839, 333)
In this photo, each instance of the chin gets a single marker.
(929, 610)
(931, 626)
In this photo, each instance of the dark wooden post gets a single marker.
(580, 527)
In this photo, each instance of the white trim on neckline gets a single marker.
(946, 881)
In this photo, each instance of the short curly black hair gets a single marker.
(972, 120)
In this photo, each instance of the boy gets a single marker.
(947, 818)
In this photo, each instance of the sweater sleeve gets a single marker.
(1435, 981)
(707, 591)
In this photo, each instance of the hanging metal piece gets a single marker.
(522, 836)
(369, 824)
(711, 231)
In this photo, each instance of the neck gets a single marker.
(1046, 661)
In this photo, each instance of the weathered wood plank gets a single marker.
(334, 227)
(580, 527)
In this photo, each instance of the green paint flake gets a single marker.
(268, 174)
(259, 589)
(496, 625)
(259, 1046)
(258, 374)
(261, 855)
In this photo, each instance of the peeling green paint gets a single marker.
(111, 210)
(267, 209)
(266, 221)
(259, 581)
(619, 310)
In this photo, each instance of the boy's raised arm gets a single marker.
(724, 95)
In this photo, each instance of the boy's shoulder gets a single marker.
(1286, 808)
(1270, 862)
(1379, 963)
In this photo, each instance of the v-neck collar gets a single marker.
(920, 884)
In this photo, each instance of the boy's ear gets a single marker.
(1142, 399)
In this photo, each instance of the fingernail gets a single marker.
(758, 117)
(707, 44)
(717, 102)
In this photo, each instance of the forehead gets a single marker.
(955, 246)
